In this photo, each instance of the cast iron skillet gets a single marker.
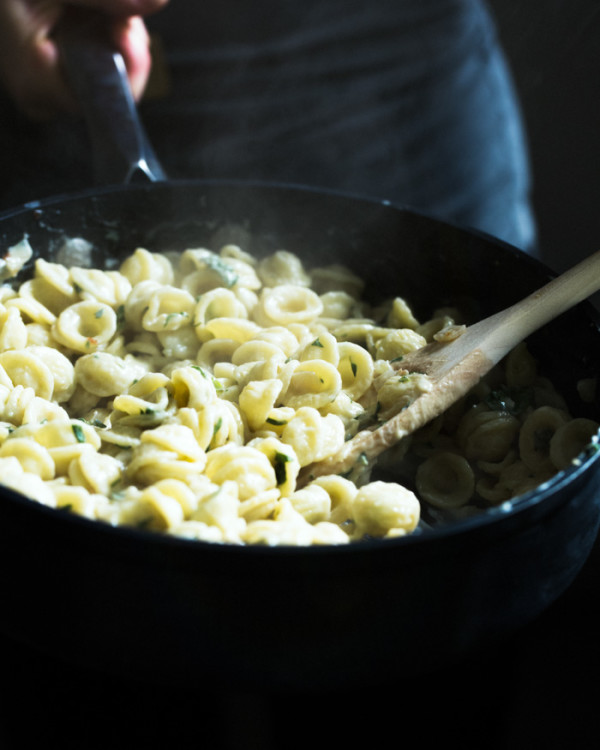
(159, 608)
(169, 610)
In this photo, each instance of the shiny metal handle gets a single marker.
(121, 150)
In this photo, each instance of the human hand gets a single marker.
(30, 66)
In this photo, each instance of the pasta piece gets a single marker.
(282, 267)
(535, 437)
(570, 439)
(85, 326)
(285, 304)
(13, 331)
(143, 265)
(379, 507)
(445, 480)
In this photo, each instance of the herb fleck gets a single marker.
(78, 432)
(279, 465)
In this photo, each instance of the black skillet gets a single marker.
(173, 611)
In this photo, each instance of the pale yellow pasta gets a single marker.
(14, 403)
(168, 308)
(396, 344)
(260, 506)
(282, 267)
(283, 459)
(14, 258)
(289, 527)
(95, 471)
(85, 326)
(324, 346)
(27, 369)
(178, 439)
(401, 315)
(282, 337)
(431, 327)
(215, 351)
(13, 331)
(53, 285)
(185, 392)
(248, 467)
(191, 386)
(237, 329)
(338, 305)
(77, 499)
(445, 480)
(222, 510)
(61, 370)
(356, 369)
(341, 493)
(313, 436)
(180, 344)
(218, 303)
(143, 265)
(312, 502)
(257, 400)
(31, 308)
(288, 303)
(379, 507)
(32, 456)
(314, 383)
(108, 287)
(137, 302)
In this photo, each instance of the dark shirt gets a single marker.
(404, 100)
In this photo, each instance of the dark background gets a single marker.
(553, 47)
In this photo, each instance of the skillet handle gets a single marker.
(121, 150)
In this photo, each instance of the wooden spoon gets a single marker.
(453, 368)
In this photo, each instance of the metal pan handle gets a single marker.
(121, 150)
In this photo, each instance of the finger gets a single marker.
(132, 40)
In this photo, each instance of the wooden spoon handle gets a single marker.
(501, 332)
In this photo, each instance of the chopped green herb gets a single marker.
(279, 465)
(228, 276)
(218, 425)
(78, 432)
(99, 313)
(120, 316)
(172, 315)
(93, 422)
(277, 422)
(397, 359)
(317, 342)
(353, 367)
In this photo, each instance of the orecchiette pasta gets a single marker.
(184, 392)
